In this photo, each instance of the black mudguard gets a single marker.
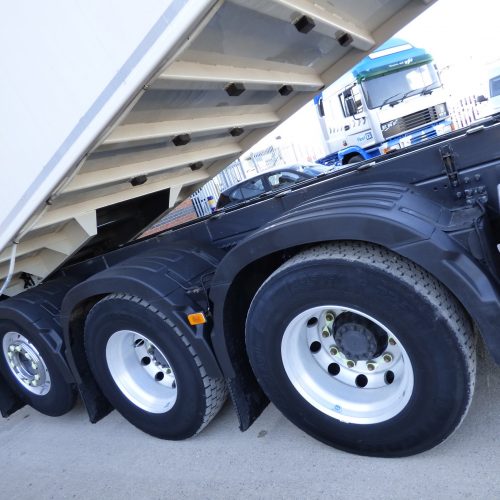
(172, 278)
(37, 311)
(391, 215)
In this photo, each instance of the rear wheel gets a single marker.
(28, 366)
(363, 350)
(355, 159)
(148, 370)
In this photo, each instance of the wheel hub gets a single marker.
(347, 364)
(26, 363)
(359, 338)
(141, 371)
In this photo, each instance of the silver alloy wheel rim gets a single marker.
(26, 363)
(329, 381)
(141, 371)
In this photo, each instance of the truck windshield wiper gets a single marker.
(423, 91)
(404, 96)
(427, 89)
(407, 94)
(389, 100)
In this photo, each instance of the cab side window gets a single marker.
(350, 101)
(495, 86)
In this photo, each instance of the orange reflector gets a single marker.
(196, 319)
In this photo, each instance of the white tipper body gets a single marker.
(93, 94)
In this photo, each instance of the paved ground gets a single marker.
(67, 457)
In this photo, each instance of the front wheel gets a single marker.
(355, 159)
(148, 370)
(363, 350)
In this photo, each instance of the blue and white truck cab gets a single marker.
(393, 98)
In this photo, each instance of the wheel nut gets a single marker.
(392, 341)
(18, 348)
(387, 357)
(168, 370)
(34, 366)
(325, 332)
(329, 317)
(37, 377)
(350, 364)
(12, 348)
(334, 351)
(370, 366)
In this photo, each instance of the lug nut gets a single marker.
(325, 332)
(12, 347)
(351, 364)
(334, 351)
(34, 366)
(18, 348)
(34, 383)
(9, 355)
(370, 366)
(387, 357)
(12, 365)
(329, 317)
(37, 377)
(392, 341)
(168, 370)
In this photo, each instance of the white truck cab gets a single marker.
(390, 100)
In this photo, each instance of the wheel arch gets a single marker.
(150, 277)
(390, 215)
(347, 153)
(37, 311)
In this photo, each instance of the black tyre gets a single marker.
(31, 371)
(355, 159)
(148, 370)
(363, 350)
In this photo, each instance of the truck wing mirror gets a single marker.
(481, 98)
(351, 107)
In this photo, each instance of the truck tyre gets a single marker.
(148, 370)
(355, 159)
(363, 350)
(30, 370)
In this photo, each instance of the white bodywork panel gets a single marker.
(94, 92)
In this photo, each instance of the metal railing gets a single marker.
(205, 199)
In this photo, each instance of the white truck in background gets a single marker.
(351, 301)
(390, 100)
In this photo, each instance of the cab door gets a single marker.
(357, 127)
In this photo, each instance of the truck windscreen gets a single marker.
(393, 87)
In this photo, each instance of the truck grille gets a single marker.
(412, 121)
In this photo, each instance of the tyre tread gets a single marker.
(438, 296)
(215, 388)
